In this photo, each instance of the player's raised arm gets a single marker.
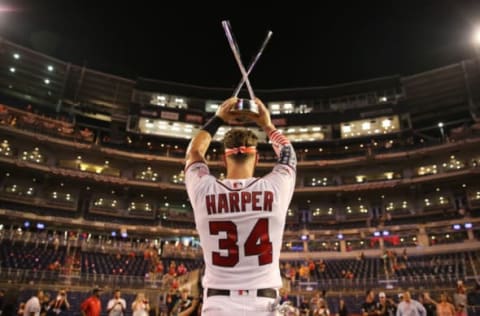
(199, 144)
(281, 145)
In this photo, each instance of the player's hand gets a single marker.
(225, 110)
(262, 119)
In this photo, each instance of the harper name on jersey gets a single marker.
(234, 202)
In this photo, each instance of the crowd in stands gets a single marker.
(167, 271)
(43, 252)
(461, 301)
(390, 267)
(62, 126)
(32, 120)
(458, 300)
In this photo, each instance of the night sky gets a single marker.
(340, 41)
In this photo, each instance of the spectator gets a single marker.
(387, 306)
(460, 300)
(410, 307)
(444, 308)
(321, 309)
(342, 308)
(171, 299)
(117, 305)
(181, 269)
(92, 306)
(21, 309)
(44, 304)
(429, 304)
(33, 305)
(304, 307)
(370, 307)
(185, 305)
(285, 297)
(315, 300)
(60, 305)
(140, 306)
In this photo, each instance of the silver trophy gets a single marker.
(244, 106)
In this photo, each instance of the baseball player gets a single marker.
(241, 219)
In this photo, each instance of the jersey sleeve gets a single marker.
(283, 174)
(283, 149)
(195, 175)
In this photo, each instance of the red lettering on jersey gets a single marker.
(233, 199)
(239, 202)
(222, 203)
(210, 203)
(246, 198)
(267, 201)
(256, 200)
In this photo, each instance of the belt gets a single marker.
(270, 293)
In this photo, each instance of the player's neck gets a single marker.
(239, 172)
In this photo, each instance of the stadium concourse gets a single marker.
(92, 185)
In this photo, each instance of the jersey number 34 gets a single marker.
(257, 244)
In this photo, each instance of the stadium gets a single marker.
(92, 187)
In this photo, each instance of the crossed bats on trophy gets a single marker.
(244, 105)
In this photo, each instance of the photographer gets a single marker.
(60, 305)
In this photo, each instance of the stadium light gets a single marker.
(476, 40)
(476, 37)
(440, 125)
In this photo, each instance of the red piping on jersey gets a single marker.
(194, 162)
(276, 137)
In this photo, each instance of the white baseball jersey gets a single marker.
(116, 306)
(32, 306)
(241, 221)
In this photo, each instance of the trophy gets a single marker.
(244, 107)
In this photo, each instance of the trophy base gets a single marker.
(245, 108)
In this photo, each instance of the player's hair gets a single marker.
(235, 138)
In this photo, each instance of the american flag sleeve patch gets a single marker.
(283, 149)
